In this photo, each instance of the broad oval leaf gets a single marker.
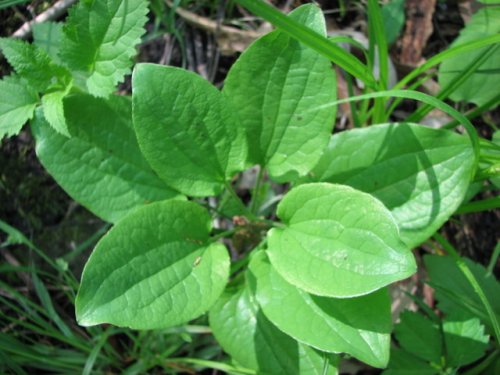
(99, 41)
(273, 85)
(156, 268)
(187, 129)
(253, 341)
(420, 174)
(359, 326)
(337, 242)
(101, 165)
(17, 104)
(482, 85)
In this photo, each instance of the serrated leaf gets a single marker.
(358, 326)
(53, 108)
(17, 103)
(155, 269)
(100, 38)
(337, 242)
(404, 363)
(420, 174)
(246, 334)
(454, 292)
(464, 339)
(187, 129)
(482, 86)
(419, 336)
(47, 36)
(273, 85)
(101, 165)
(29, 62)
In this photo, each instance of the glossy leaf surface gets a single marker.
(253, 341)
(359, 326)
(101, 165)
(420, 174)
(156, 268)
(273, 85)
(337, 242)
(17, 103)
(99, 41)
(483, 85)
(187, 129)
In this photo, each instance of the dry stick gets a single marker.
(50, 14)
(232, 35)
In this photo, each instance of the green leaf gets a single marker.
(404, 363)
(101, 165)
(47, 36)
(246, 334)
(53, 108)
(17, 103)
(30, 62)
(419, 336)
(455, 293)
(312, 39)
(465, 340)
(337, 242)
(358, 326)
(482, 86)
(420, 174)
(100, 38)
(272, 85)
(187, 129)
(393, 14)
(155, 269)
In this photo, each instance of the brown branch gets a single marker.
(230, 39)
(50, 14)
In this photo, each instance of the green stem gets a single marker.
(479, 206)
(475, 112)
(311, 39)
(472, 280)
(225, 234)
(255, 194)
(493, 260)
(453, 85)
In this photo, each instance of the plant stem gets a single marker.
(255, 194)
(472, 280)
(493, 260)
(479, 206)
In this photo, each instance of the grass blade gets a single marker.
(311, 39)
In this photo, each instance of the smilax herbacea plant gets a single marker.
(303, 283)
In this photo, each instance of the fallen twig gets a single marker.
(230, 39)
(50, 14)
